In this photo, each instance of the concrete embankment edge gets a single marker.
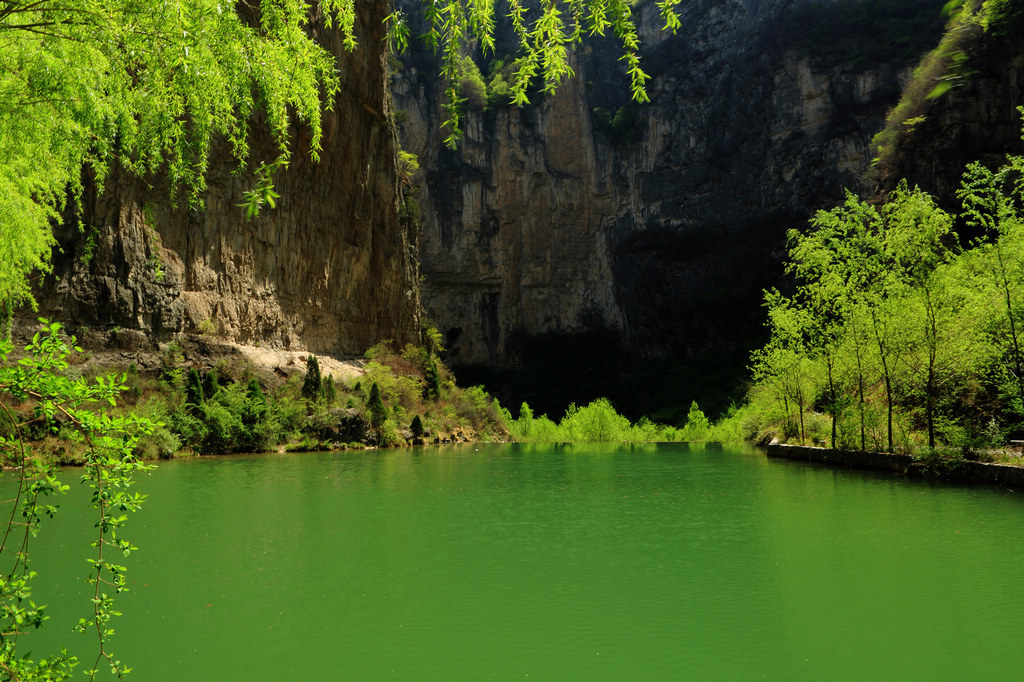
(977, 472)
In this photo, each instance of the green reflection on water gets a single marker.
(555, 562)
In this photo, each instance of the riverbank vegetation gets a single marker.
(598, 422)
(232, 406)
(903, 329)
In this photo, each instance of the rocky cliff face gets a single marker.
(976, 120)
(331, 270)
(658, 224)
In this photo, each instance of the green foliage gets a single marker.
(36, 386)
(416, 427)
(415, 355)
(329, 390)
(939, 462)
(228, 409)
(499, 91)
(211, 385)
(403, 392)
(235, 418)
(697, 427)
(255, 396)
(416, 382)
(528, 429)
(389, 435)
(598, 422)
(194, 388)
(408, 164)
(380, 349)
(544, 36)
(901, 339)
(941, 70)
(432, 380)
(409, 213)
(433, 341)
(470, 84)
(147, 84)
(221, 426)
(375, 409)
(312, 385)
(161, 444)
(476, 407)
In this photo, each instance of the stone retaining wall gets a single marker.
(978, 472)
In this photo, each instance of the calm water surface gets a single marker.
(553, 563)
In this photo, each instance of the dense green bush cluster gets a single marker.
(416, 383)
(598, 422)
(471, 86)
(896, 336)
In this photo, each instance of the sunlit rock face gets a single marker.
(329, 270)
(659, 223)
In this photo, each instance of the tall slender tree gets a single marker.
(312, 383)
(377, 412)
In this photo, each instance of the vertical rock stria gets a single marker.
(658, 224)
(330, 270)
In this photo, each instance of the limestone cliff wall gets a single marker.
(663, 225)
(330, 270)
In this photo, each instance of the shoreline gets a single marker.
(960, 471)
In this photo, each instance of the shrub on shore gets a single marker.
(599, 422)
(233, 407)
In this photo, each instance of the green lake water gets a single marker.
(552, 563)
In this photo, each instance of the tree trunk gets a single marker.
(800, 407)
(1013, 325)
(888, 380)
(860, 396)
(932, 335)
(832, 399)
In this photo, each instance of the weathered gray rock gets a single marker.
(331, 270)
(664, 227)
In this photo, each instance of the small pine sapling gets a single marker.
(312, 386)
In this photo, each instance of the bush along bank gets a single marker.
(399, 398)
(599, 422)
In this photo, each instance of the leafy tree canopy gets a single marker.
(151, 84)
(148, 85)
